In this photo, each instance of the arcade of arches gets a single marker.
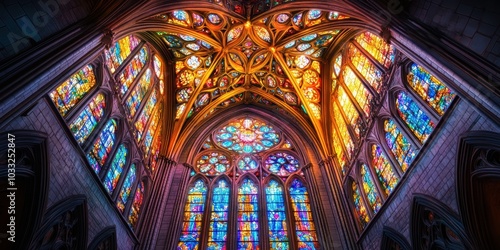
(247, 124)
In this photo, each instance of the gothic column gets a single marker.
(335, 192)
(159, 191)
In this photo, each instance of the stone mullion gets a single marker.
(156, 204)
(341, 207)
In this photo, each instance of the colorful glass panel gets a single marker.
(359, 206)
(385, 173)
(102, 146)
(375, 46)
(143, 118)
(341, 156)
(343, 132)
(87, 120)
(193, 216)
(431, 89)
(217, 233)
(400, 147)
(304, 224)
(71, 91)
(126, 188)
(131, 71)
(248, 215)
(247, 163)
(351, 113)
(281, 163)
(150, 134)
(213, 163)
(415, 118)
(136, 205)
(365, 67)
(276, 216)
(120, 51)
(247, 135)
(337, 66)
(134, 100)
(361, 94)
(370, 190)
(116, 169)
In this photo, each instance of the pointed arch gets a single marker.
(416, 119)
(103, 145)
(369, 188)
(105, 239)
(435, 225)
(248, 212)
(86, 122)
(126, 189)
(359, 209)
(277, 213)
(401, 148)
(392, 239)
(31, 165)
(193, 213)
(219, 212)
(117, 166)
(477, 185)
(305, 230)
(64, 225)
(388, 177)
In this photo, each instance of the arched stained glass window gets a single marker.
(276, 216)
(370, 190)
(88, 119)
(383, 168)
(431, 89)
(350, 111)
(341, 156)
(116, 168)
(357, 89)
(359, 206)
(416, 119)
(400, 147)
(136, 205)
(151, 132)
(143, 118)
(213, 163)
(193, 216)
(304, 224)
(70, 92)
(217, 235)
(131, 71)
(365, 67)
(248, 215)
(375, 46)
(126, 188)
(99, 152)
(120, 51)
(134, 100)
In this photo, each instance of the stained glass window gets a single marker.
(365, 67)
(213, 163)
(136, 205)
(132, 70)
(357, 89)
(400, 147)
(351, 113)
(70, 92)
(375, 46)
(370, 190)
(416, 119)
(134, 100)
(217, 234)
(385, 173)
(193, 216)
(120, 51)
(126, 188)
(248, 216)
(431, 89)
(143, 118)
(102, 146)
(247, 135)
(304, 224)
(116, 169)
(247, 163)
(276, 216)
(359, 206)
(282, 163)
(88, 119)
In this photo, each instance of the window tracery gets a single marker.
(132, 62)
(266, 177)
